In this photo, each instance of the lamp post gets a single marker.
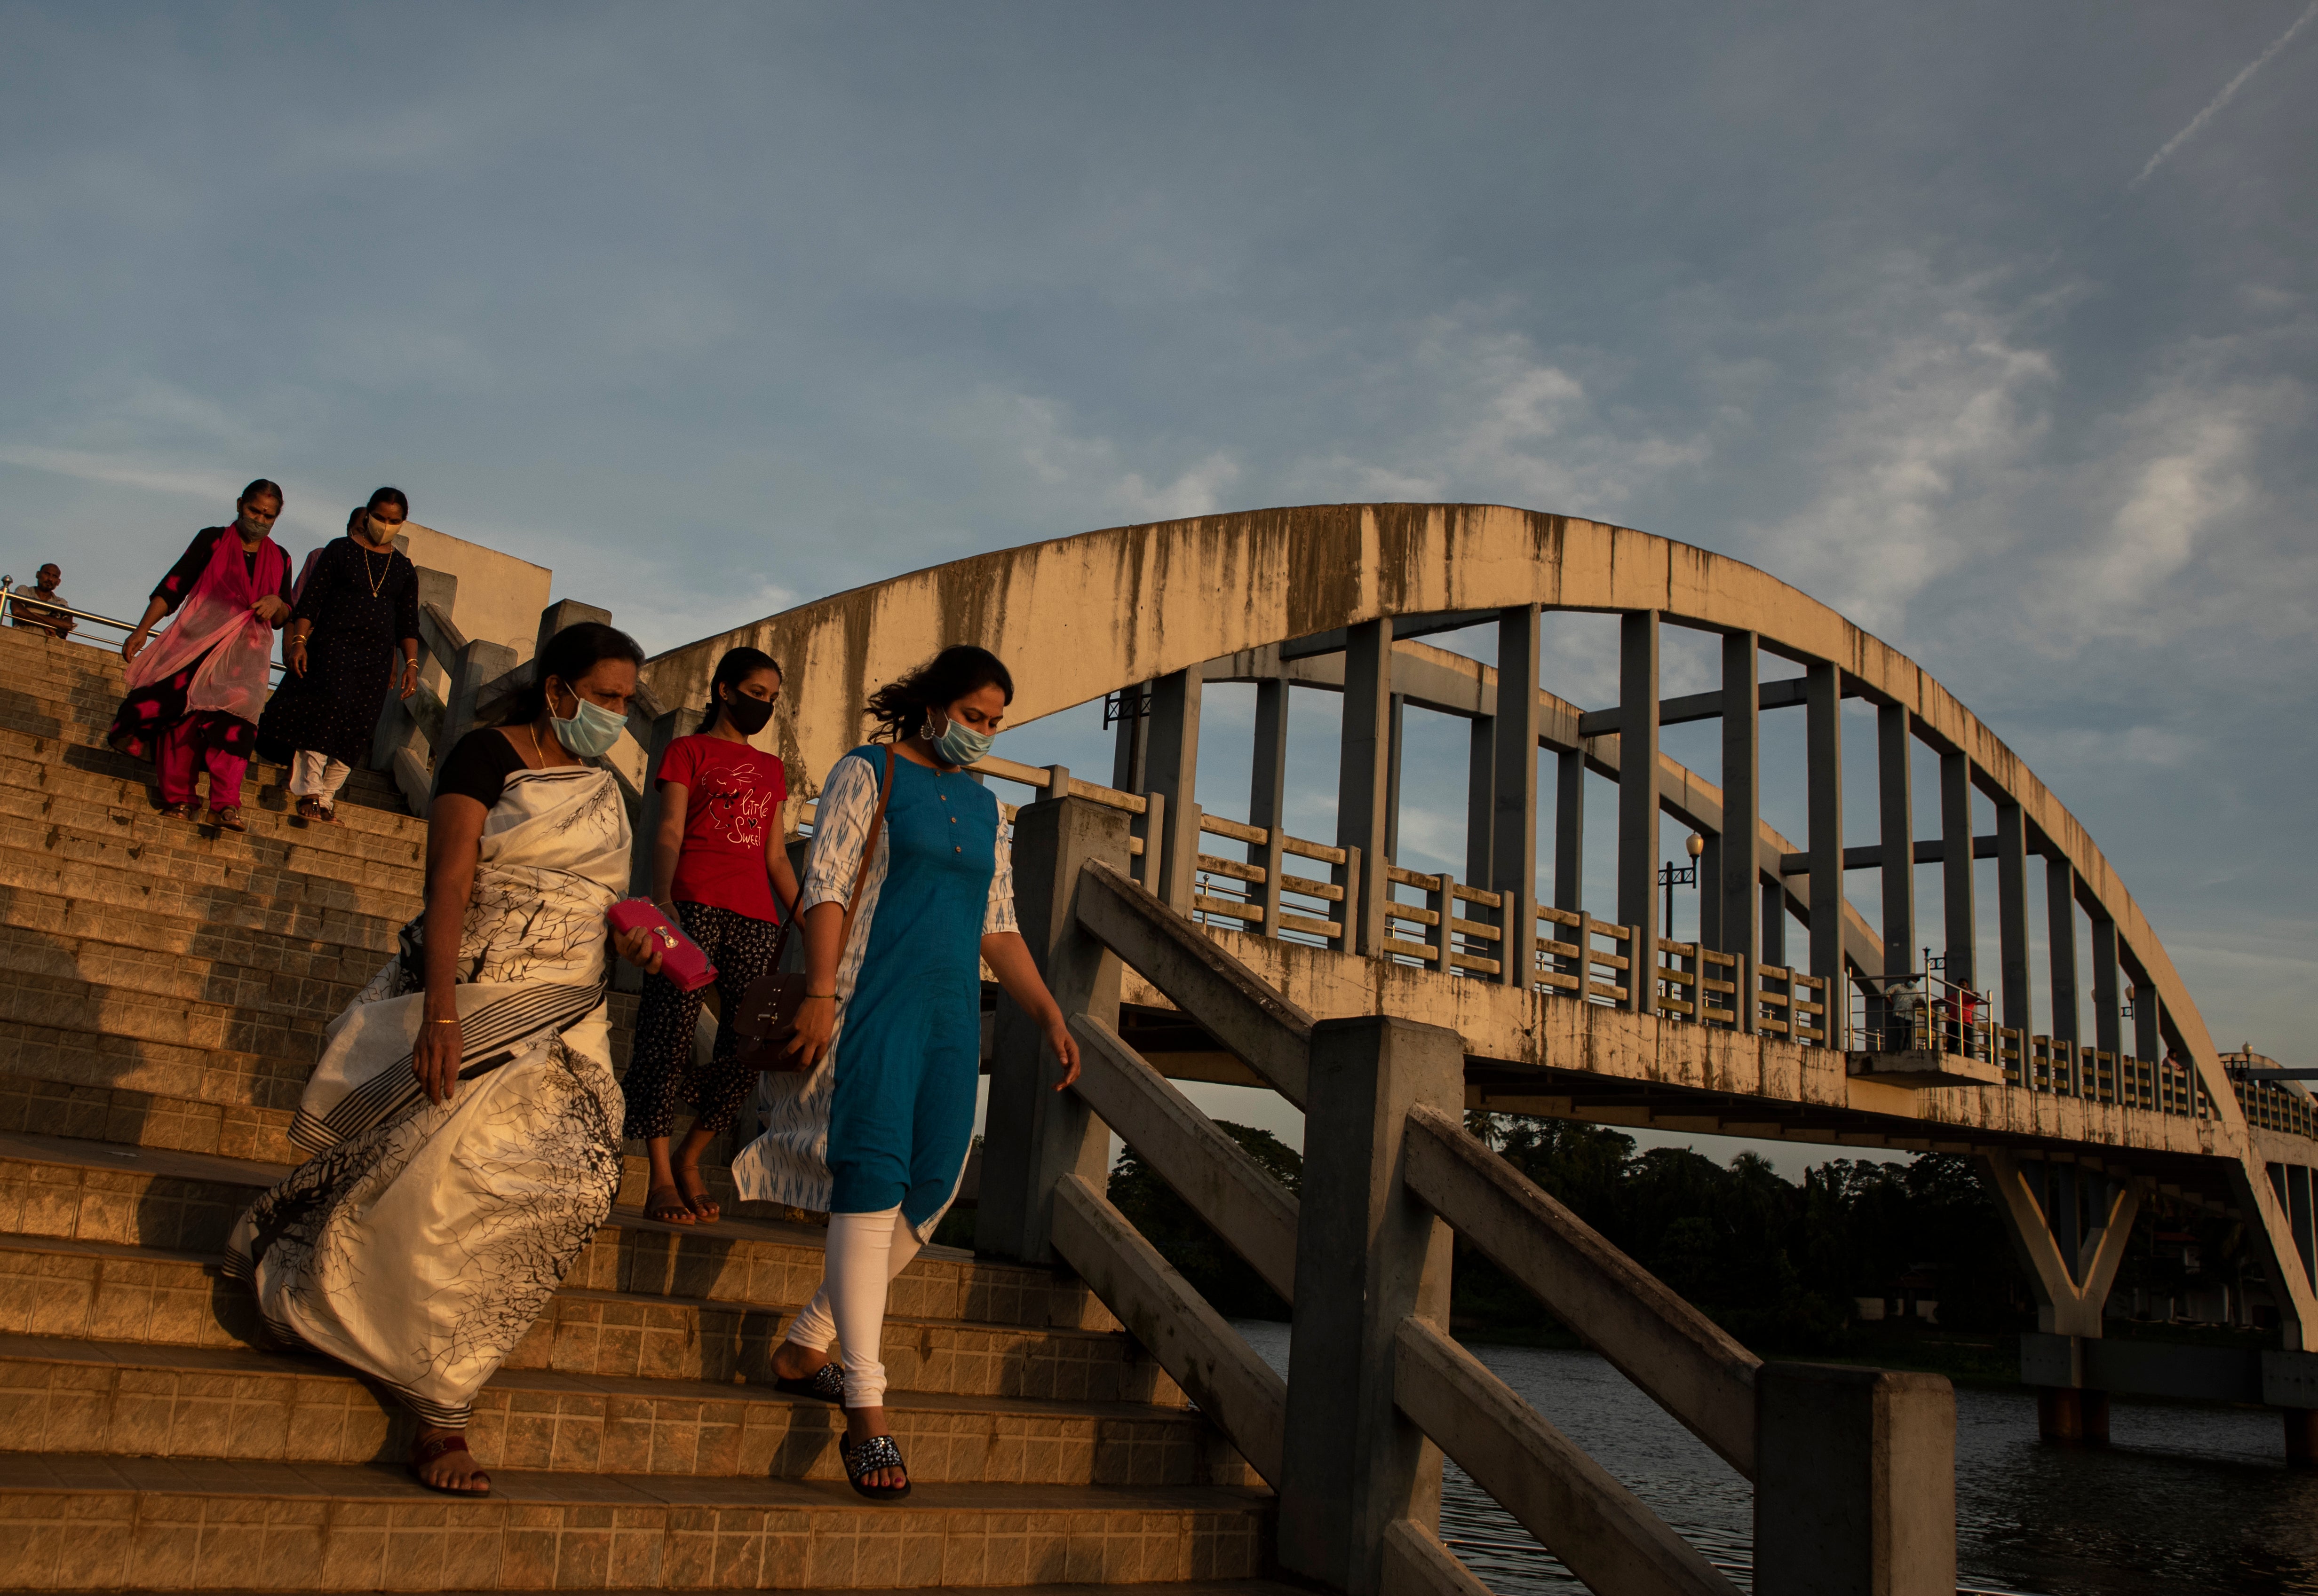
(1671, 876)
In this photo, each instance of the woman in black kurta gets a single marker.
(359, 604)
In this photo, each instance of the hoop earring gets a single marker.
(928, 732)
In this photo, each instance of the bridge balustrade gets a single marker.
(1846, 1462)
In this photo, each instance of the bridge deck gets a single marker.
(1540, 1053)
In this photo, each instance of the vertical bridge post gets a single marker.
(1036, 1134)
(1513, 819)
(1823, 761)
(1742, 809)
(1172, 772)
(1367, 1256)
(1638, 802)
(1854, 1489)
(1960, 918)
(1362, 785)
(1895, 792)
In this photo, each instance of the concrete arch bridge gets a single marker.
(1385, 1000)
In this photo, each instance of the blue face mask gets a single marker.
(591, 731)
(960, 744)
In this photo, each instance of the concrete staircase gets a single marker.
(164, 998)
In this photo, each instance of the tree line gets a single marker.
(1778, 1263)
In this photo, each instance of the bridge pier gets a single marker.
(2072, 1415)
(2301, 1437)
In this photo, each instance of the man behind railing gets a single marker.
(24, 608)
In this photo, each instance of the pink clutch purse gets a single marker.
(680, 958)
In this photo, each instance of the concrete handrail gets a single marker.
(1207, 1168)
(1264, 1029)
(1689, 1364)
(1209, 1359)
(1604, 1533)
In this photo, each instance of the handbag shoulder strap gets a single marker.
(860, 876)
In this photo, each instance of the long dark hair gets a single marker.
(390, 495)
(737, 667)
(899, 707)
(571, 654)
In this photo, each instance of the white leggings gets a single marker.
(866, 1251)
(317, 776)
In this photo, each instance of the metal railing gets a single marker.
(11, 595)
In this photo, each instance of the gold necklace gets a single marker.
(378, 582)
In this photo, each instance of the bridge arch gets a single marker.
(1080, 617)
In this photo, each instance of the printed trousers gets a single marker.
(661, 1073)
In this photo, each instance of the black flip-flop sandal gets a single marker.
(825, 1383)
(876, 1453)
(427, 1451)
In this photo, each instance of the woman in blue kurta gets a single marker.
(877, 1132)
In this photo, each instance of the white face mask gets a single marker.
(381, 533)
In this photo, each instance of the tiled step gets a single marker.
(93, 1195)
(186, 871)
(120, 894)
(70, 775)
(157, 1299)
(65, 1395)
(93, 1077)
(221, 981)
(70, 1520)
(39, 725)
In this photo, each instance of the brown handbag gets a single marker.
(769, 1009)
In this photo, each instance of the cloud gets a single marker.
(1945, 402)
(1031, 437)
(2229, 92)
(124, 470)
(2182, 468)
(1499, 421)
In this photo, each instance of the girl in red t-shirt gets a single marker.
(719, 869)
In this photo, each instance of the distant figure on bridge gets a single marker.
(26, 610)
(197, 693)
(357, 607)
(721, 871)
(878, 1134)
(464, 1118)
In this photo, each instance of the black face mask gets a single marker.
(748, 714)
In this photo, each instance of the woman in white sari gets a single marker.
(464, 1122)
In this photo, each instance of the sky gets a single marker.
(1991, 325)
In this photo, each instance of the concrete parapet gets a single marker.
(1035, 1134)
(1369, 1255)
(1855, 1491)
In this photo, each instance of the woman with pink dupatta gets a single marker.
(194, 696)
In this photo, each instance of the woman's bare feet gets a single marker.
(792, 1361)
(860, 1424)
(440, 1459)
(695, 1191)
(665, 1205)
(686, 1165)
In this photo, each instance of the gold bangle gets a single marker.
(443, 1022)
(812, 997)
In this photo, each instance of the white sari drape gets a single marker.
(421, 1241)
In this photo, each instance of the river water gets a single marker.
(2185, 1498)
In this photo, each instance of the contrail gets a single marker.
(2224, 97)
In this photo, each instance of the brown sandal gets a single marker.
(315, 810)
(703, 1207)
(424, 1452)
(675, 1212)
(177, 812)
(227, 820)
